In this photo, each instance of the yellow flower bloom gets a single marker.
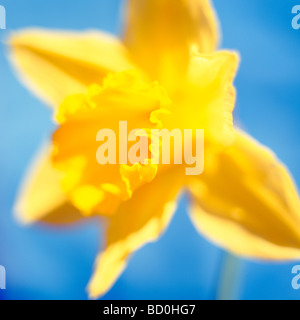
(163, 73)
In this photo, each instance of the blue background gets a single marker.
(55, 263)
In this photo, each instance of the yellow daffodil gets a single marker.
(163, 73)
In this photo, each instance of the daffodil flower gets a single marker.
(164, 72)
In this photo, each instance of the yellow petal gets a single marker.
(57, 64)
(140, 220)
(247, 203)
(159, 34)
(41, 198)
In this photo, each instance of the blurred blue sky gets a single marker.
(48, 263)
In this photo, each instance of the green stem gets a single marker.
(228, 287)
